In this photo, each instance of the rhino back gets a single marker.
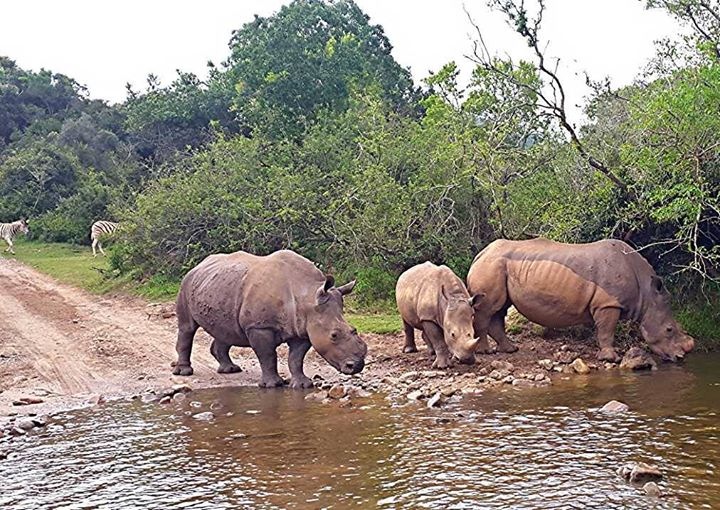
(419, 290)
(230, 293)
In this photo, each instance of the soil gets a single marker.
(70, 348)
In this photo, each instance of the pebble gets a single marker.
(434, 401)
(580, 366)
(317, 395)
(652, 490)
(206, 416)
(338, 391)
(165, 400)
(547, 364)
(502, 365)
(25, 424)
(615, 406)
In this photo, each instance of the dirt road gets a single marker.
(67, 347)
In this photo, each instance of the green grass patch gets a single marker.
(702, 321)
(381, 324)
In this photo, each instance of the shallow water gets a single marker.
(538, 448)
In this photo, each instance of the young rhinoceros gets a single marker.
(559, 285)
(434, 300)
(260, 302)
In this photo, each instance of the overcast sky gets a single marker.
(105, 44)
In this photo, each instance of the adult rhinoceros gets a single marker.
(558, 285)
(260, 302)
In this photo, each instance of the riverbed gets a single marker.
(546, 447)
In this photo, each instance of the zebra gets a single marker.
(8, 231)
(98, 229)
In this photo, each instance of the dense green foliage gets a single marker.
(311, 137)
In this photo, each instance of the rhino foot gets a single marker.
(441, 362)
(229, 368)
(183, 370)
(410, 348)
(271, 382)
(608, 354)
(507, 346)
(298, 383)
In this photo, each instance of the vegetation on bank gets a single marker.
(310, 136)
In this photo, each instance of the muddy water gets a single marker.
(540, 448)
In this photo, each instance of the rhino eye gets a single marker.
(334, 335)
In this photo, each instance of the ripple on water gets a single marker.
(537, 449)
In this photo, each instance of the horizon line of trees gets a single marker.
(310, 136)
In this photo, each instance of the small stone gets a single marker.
(652, 490)
(24, 401)
(25, 424)
(615, 406)
(499, 374)
(448, 391)
(508, 379)
(39, 421)
(338, 391)
(502, 365)
(547, 364)
(642, 472)
(434, 401)
(558, 368)
(165, 400)
(206, 416)
(345, 402)
(539, 377)
(565, 357)
(195, 403)
(408, 376)
(638, 359)
(356, 392)
(523, 383)
(415, 395)
(317, 395)
(181, 388)
(624, 471)
(485, 370)
(179, 397)
(17, 431)
(580, 366)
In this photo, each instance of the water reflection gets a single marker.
(544, 448)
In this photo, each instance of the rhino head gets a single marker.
(663, 334)
(458, 325)
(331, 336)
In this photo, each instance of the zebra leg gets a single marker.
(101, 250)
(94, 244)
(10, 245)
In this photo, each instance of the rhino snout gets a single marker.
(353, 367)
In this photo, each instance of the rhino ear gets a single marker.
(657, 283)
(321, 296)
(329, 282)
(347, 288)
(477, 299)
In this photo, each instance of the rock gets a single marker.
(523, 383)
(195, 403)
(508, 379)
(638, 359)
(25, 424)
(337, 392)
(408, 376)
(317, 395)
(181, 388)
(615, 406)
(356, 392)
(434, 401)
(485, 370)
(652, 490)
(179, 397)
(565, 357)
(146, 398)
(502, 365)
(448, 391)
(24, 401)
(345, 402)
(165, 400)
(539, 377)
(206, 416)
(580, 366)
(642, 472)
(39, 421)
(415, 395)
(17, 431)
(499, 374)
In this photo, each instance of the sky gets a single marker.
(106, 44)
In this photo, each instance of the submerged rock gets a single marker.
(338, 391)
(642, 472)
(206, 416)
(318, 396)
(434, 401)
(615, 406)
(638, 359)
(652, 490)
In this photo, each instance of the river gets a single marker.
(540, 448)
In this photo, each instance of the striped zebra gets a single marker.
(99, 229)
(8, 231)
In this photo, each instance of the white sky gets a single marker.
(104, 44)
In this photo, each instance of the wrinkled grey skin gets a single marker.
(559, 285)
(434, 300)
(260, 302)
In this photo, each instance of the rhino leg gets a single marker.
(430, 348)
(497, 331)
(605, 321)
(434, 334)
(186, 332)
(264, 343)
(221, 352)
(481, 325)
(296, 356)
(409, 338)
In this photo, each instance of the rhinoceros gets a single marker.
(558, 285)
(260, 302)
(434, 300)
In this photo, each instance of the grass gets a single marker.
(380, 323)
